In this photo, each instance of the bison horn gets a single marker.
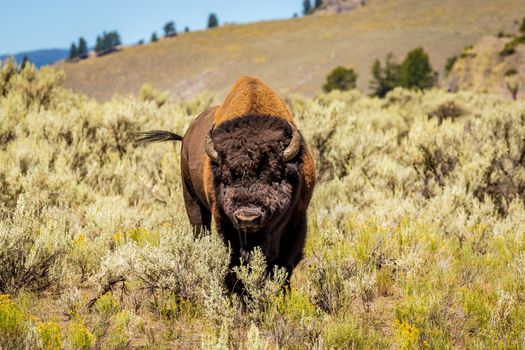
(210, 148)
(295, 145)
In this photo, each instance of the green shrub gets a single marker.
(37, 87)
(510, 47)
(510, 72)
(79, 337)
(415, 72)
(346, 334)
(467, 52)
(260, 288)
(120, 332)
(49, 336)
(340, 78)
(14, 324)
(149, 93)
(384, 79)
(106, 305)
(450, 64)
(8, 69)
(82, 256)
(181, 265)
(32, 248)
(447, 110)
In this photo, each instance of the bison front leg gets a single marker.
(291, 245)
(229, 236)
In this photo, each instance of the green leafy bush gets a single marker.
(340, 78)
(510, 46)
(49, 336)
(14, 324)
(79, 337)
(415, 72)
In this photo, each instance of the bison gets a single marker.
(245, 164)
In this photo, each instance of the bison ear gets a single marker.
(295, 145)
(210, 148)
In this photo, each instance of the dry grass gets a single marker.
(295, 54)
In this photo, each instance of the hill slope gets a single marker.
(295, 55)
(483, 69)
(40, 57)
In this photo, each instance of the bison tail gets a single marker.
(157, 136)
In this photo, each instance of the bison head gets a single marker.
(255, 167)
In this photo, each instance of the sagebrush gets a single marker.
(416, 237)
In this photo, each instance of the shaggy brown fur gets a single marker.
(250, 96)
(250, 131)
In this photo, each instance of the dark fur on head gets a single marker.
(252, 175)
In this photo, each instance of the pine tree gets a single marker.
(318, 3)
(107, 42)
(186, 29)
(117, 39)
(384, 79)
(154, 37)
(169, 29)
(213, 21)
(82, 48)
(99, 44)
(416, 72)
(73, 52)
(307, 7)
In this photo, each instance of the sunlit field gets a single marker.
(416, 232)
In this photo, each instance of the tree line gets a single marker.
(104, 43)
(80, 50)
(108, 41)
(308, 7)
(414, 72)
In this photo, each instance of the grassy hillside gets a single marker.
(295, 55)
(416, 233)
(482, 68)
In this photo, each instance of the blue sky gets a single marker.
(35, 24)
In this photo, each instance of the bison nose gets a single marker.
(247, 218)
